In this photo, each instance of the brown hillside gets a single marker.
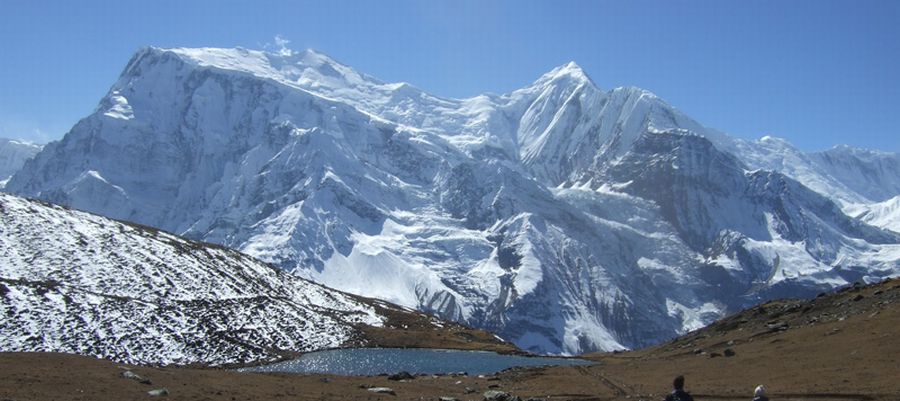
(839, 347)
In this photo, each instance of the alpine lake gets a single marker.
(376, 361)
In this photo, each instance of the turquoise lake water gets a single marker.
(375, 361)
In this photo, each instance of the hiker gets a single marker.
(678, 394)
(760, 393)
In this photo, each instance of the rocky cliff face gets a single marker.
(566, 218)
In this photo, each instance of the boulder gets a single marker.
(496, 395)
(778, 326)
(401, 376)
(134, 376)
(382, 390)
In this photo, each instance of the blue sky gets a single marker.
(818, 73)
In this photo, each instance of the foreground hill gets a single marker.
(79, 283)
(838, 347)
(563, 217)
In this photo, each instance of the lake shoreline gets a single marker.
(432, 361)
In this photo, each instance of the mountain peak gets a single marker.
(572, 67)
(303, 69)
(774, 141)
(570, 72)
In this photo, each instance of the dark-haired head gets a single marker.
(678, 383)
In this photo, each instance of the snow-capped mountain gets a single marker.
(13, 154)
(80, 283)
(847, 175)
(873, 174)
(564, 217)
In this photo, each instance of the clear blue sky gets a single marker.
(818, 73)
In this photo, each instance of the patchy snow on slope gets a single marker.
(75, 282)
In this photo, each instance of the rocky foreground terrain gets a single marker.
(837, 347)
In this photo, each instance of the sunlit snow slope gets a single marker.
(882, 214)
(79, 283)
(566, 218)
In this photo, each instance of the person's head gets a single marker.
(678, 383)
(760, 391)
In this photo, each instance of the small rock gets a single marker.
(134, 376)
(382, 390)
(535, 399)
(714, 354)
(730, 343)
(778, 326)
(401, 376)
(698, 351)
(449, 399)
(495, 395)
(160, 392)
(858, 297)
(469, 390)
(879, 292)
(493, 386)
(729, 352)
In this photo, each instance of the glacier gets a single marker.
(563, 217)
